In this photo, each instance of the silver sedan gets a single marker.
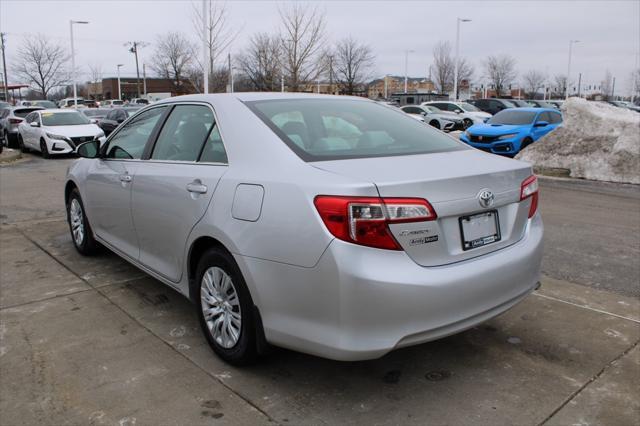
(329, 225)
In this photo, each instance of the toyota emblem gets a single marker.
(486, 198)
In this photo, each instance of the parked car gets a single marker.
(446, 121)
(43, 103)
(90, 103)
(139, 102)
(3, 106)
(71, 103)
(111, 103)
(492, 106)
(512, 130)
(96, 115)
(52, 131)
(9, 121)
(625, 105)
(329, 225)
(540, 104)
(519, 103)
(470, 114)
(115, 117)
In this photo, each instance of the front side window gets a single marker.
(512, 117)
(468, 107)
(130, 141)
(330, 129)
(555, 117)
(183, 134)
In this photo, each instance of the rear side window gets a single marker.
(331, 129)
(183, 134)
(214, 151)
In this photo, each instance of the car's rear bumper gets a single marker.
(360, 303)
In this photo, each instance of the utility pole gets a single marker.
(119, 86)
(230, 89)
(613, 88)
(73, 62)
(579, 83)
(4, 71)
(406, 68)
(455, 66)
(134, 49)
(144, 79)
(566, 90)
(206, 51)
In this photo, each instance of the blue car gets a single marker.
(511, 130)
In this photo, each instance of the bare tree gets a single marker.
(465, 72)
(95, 77)
(173, 57)
(442, 67)
(219, 37)
(561, 83)
(261, 62)
(501, 71)
(302, 39)
(533, 81)
(351, 64)
(42, 63)
(607, 86)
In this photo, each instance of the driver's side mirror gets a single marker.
(541, 124)
(458, 111)
(89, 149)
(423, 113)
(34, 124)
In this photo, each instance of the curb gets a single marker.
(9, 155)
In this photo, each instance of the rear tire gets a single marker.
(435, 124)
(225, 308)
(81, 232)
(21, 144)
(11, 141)
(44, 150)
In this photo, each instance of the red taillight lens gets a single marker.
(529, 188)
(365, 220)
(15, 120)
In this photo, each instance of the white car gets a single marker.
(56, 131)
(111, 103)
(470, 114)
(432, 116)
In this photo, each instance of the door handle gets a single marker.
(197, 187)
(125, 178)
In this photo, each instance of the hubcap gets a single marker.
(221, 307)
(77, 222)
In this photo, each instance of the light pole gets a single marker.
(386, 86)
(119, 88)
(406, 68)
(206, 52)
(455, 66)
(566, 90)
(73, 61)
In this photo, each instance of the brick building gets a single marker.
(395, 84)
(154, 85)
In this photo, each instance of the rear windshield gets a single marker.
(514, 117)
(23, 112)
(63, 119)
(331, 129)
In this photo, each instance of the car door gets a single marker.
(109, 180)
(172, 189)
(539, 132)
(25, 130)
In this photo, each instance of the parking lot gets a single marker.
(96, 341)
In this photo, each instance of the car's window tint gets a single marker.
(555, 117)
(129, 142)
(364, 129)
(29, 118)
(512, 117)
(64, 119)
(544, 116)
(183, 134)
(214, 151)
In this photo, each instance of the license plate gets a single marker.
(479, 229)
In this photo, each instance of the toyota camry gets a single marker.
(333, 226)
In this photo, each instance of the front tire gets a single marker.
(225, 308)
(81, 232)
(44, 150)
(467, 122)
(435, 124)
(21, 144)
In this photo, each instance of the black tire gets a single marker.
(12, 142)
(435, 124)
(244, 351)
(525, 143)
(21, 144)
(467, 123)
(44, 150)
(87, 245)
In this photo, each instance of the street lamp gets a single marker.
(73, 61)
(119, 88)
(566, 90)
(386, 86)
(406, 68)
(455, 67)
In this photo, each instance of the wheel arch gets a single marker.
(68, 187)
(199, 246)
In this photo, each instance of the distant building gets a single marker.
(154, 85)
(395, 84)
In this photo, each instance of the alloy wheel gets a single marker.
(77, 221)
(221, 307)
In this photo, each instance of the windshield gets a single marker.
(513, 117)
(63, 119)
(45, 104)
(468, 107)
(330, 129)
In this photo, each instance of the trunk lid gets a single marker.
(452, 183)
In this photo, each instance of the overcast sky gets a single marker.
(536, 33)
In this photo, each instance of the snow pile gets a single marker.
(596, 141)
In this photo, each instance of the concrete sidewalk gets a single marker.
(95, 341)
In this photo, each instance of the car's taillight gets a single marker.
(529, 188)
(365, 220)
(15, 120)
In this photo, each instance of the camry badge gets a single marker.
(486, 198)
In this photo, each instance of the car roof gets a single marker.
(59, 111)
(255, 96)
(532, 109)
